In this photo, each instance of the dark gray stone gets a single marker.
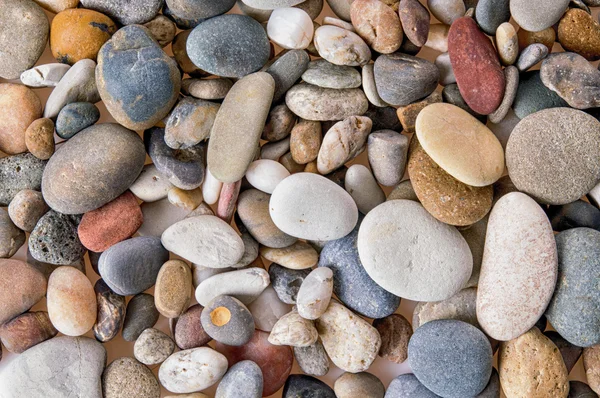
(384, 118)
(323, 73)
(490, 14)
(408, 386)
(531, 55)
(451, 95)
(533, 96)
(229, 45)
(573, 215)
(570, 353)
(242, 380)
(286, 282)
(138, 82)
(131, 266)
(228, 321)
(578, 389)
(141, 314)
(403, 79)
(493, 388)
(199, 9)
(54, 239)
(181, 23)
(313, 360)
(351, 283)
(451, 358)
(126, 12)
(75, 117)
(18, 172)
(542, 323)
(306, 387)
(183, 167)
(574, 310)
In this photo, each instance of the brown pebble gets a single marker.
(546, 37)
(290, 164)
(173, 289)
(591, 364)
(208, 89)
(378, 25)
(26, 208)
(162, 29)
(300, 255)
(305, 141)
(279, 123)
(408, 114)
(185, 199)
(18, 276)
(188, 331)
(26, 330)
(311, 167)
(181, 57)
(39, 138)
(19, 107)
(395, 333)
(415, 20)
(111, 312)
(579, 32)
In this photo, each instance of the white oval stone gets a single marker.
(151, 185)
(310, 206)
(192, 370)
(245, 285)
(47, 75)
(265, 174)
(211, 188)
(315, 293)
(290, 28)
(519, 267)
(363, 188)
(160, 215)
(267, 309)
(341, 47)
(411, 254)
(205, 240)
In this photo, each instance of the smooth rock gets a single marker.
(511, 75)
(408, 386)
(111, 312)
(245, 285)
(361, 384)
(446, 11)
(141, 314)
(46, 75)
(507, 43)
(537, 15)
(445, 67)
(162, 29)
(153, 347)
(188, 331)
(578, 32)
(286, 70)
(370, 87)
(267, 309)
(160, 215)
(363, 188)
(190, 9)
(179, 48)
(451, 95)
(265, 174)
(26, 330)
(39, 138)
(126, 12)
(573, 215)
(578, 389)
(150, 185)
(341, 47)
(437, 38)
(297, 256)
(344, 141)
(545, 37)
(11, 237)
(207, 89)
(378, 25)
(204, 367)
(228, 321)
(315, 293)
(461, 307)
(126, 377)
(305, 141)
(190, 122)
(290, 28)
(316, 103)
(313, 359)
(293, 330)
(173, 289)
(415, 21)
(531, 55)
(20, 107)
(395, 332)
(323, 73)
(243, 380)
(532, 96)
(54, 239)
(298, 385)
(279, 123)
(287, 282)
(490, 14)
(591, 362)
(407, 115)
(404, 190)
(387, 152)
(21, 277)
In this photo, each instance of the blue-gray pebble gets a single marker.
(182, 23)
(74, 117)
(490, 14)
(306, 387)
(126, 12)
(229, 45)
(573, 215)
(138, 82)
(54, 239)
(18, 172)
(408, 386)
(451, 358)
(199, 9)
(286, 70)
(242, 380)
(228, 321)
(140, 315)
(532, 96)
(286, 282)
(131, 266)
(351, 283)
(574, 310)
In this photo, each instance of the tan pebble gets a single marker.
(188, 200)
(395, 332)
(202, 210)
(546, 37)
(591, 364)
(290, 164)
(507, 43)
(19, 107)
(162, 29)
(300, 255)
(26, 208)
(173, 289)
(579, 32)
(404, 190)
(57, 6)
(293, 330)
(311, 167)
(305, 141)
(39, 138)
(437, 39)
(378, 25)
(408, 114)
(461, 306)
(345, 140)
(339, 23)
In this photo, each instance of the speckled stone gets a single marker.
(75, 117)
(407, 115)
(415, 21)
(490, 14)
(39, 138)
(313, 359)
(244, 379)
(325, 74)
(173, 290)
(141, 314)
(451, 358)
(26, 330)
(19, 172)
(162, 29)
(537, 143)
(323, 104)
(537, 15)
(531, 55)
(126, 12)
(578, 32)
(362, 384)
(408, 386)
(111, 312)
(570, 353)
(188, 331)
(126, 377)
(545, 37)
(298, 385)
(395, 332)
(11, 237)
(286, 70)
(54, 239)
(153, 347)
(179, 48)
(533, 96)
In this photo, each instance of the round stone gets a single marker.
(75, 117)
(126, 377)
(190, 122)
(173, 289)
(311, 102)
(341, 47)
(11, 237)
(207, 89)
(305, 386)
(20, 107)
(290, 28)
(378, 24)
(323, 73)
(490, 14)
(26, 208)
(153, 347)
(203, 368)
(188, 331)
(446, 11)
(578, 32)
(126, 12)
(362, 384)
(265, 174)
(244, 379)
(245, 285)
(228, 321)
(39, 138)
(395, 332)
(408, 386)
(537, 15)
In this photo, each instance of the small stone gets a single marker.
(537, 15)
(574, 215)
(408, 114)
(305, 141)
(228, 321)
(244, 379)
(20, 107)
(445, 67)
(179, 48)
(341, 47)
(162, 29)
(437, 39)
(287, 282)
(491, 14)
(245, 285)
(75, 117)
(511, 74)
(545, 37)
(507, 43)
(126, 377)
(451, 95)
(569, 352)
(286, 70)
(54, 239)
(172, 293)
(362, 384)
(290, 28)
(39, 138)
(150, 185)
(461, 306)
(267, 309)
(188, 331)
(293, 330)
(395, 332)
(26, 330)
(404, 190)
(370, 87)
(47, 75)
(11, 237)
(578, 32)
(531, 55)
(279, 123)
(363, 188)
(316, 103)
(265, 174)
(227, 202)
(153, 347)
(184, 199)
(387, 151)
(325, 74)
(415, 21)
(446, 11)
(298, 256)
(313, 359)
(189, 122)
(315, 293)
(141, 314)
(203, 368)
(344, 141)
(110, 314)
(160, 215)
(408, 386)
(306, 386)
(532, 96)
(377, 24)
(19, 172)
(339, 23)
(207, 89)
(126, 12)
(578, 389)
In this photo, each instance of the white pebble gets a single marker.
(315, 293)
(266, 174)
(290, 28)
(47, 75)
(211, 188)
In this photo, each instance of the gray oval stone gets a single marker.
(199, 9)
(317, 103)
(271, 4)
(141, 314)
(75, 117)
(408, 386)
(286, 70)
(323, 73)
(244, 379)
(531, 55)
(75, 182)
(228, 321)
(490, 14)
(536, 15)
(126, 12)
(532, 96)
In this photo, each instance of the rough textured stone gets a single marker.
(126, 12)
(578, 32)
(531, 55)
(19, 172)
(293, 330)
(173, 290)
(153, 347)
(39, 138)
(323, 104)
(54, 239)
(569, 352)
(126, 377)
(507, 43)
(313, 359)
(395, 332)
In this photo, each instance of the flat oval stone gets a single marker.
(26, 330)
(306, 386)
(341, 47)
(531, 55)
(490, 14)
(415, 232)
(317, 103)
(21, 107)
(286, 70)
(364, 384)
(100, 179)
(190, 122)
(188, 331)
(395, 332)
(572, 310)
(131, 266)
(71, 301)
(247, 104)
(476, 67)
(408, 386)
(378, 24)
(313, 360)
(344, 141)
(315, 293)
(451, 358)
(297, 256)
(310, 206)
(533, 96)
(532, 365)
(518, 269)
(111, 312)
(537, 15)
(323, 73)
(126, 12)
(25, 30)
(58, 367)
(136, 95)
(117, 377)
(173, 289)
(46, 75)
(54, 239)
(75, 117)
(205, 240)
(18, 276)
(265, 174)
(403, 79)
(206, 89)
(578, 32)
(245, 285)
(535, 144)
(244, 379)
(229, 46)
(203, 368)
(141, 314)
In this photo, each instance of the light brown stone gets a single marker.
(579, 32)
(378, 25)
(305, 141)
(546, 37)
(39, 138)
(591, 363)
(345, 140)
(300, 255)
(408, 114)
(19, 107)
(395, 332)
(173, 290)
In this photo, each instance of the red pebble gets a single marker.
(188, 331)
(275, 361)
(115, 221)
(227, 200)
(476, 66)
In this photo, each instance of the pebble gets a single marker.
(131, 266)
(343, 141)
(188, 331)
(578, 389)
(408, 386)
(111, 312)
(407, 115)
(77, 85)
(418, 230)
(507, 43)
(126, 12)
(403, 79)
(446, 11)
(21, 107)
(245, 285)
(204, 367)
(341, 47)
(395, 332)
(370, 88)
(188, 200)
(437, 38)
(387, 153)
(532, 96)
(461, 307)
(179, 48)
(160, 215)
(531, 365)
(286, 70)
(573, 306)
(19, 172)
(483, 89)
(126, 377)
(545, 37)
(305, 141)
(340, 23)
(71, 301)
(362, 384)
(326, 211)
(25, 30)
(290, 28)
(54, 239)
(573, 215)
(207, 89)
(313, 359)
(189, 9)
(315, 293)
(153, 347)
(26, 330)
(39, 138)
(162, 29)
(404, 190)
(475, 237)
(293, 330)
(531, 55)
(267, 309)
(443, 196)
(265, 174)
(173, 289)
(451, 358)
(490, 14)
(414, 17)
(569, 352)
(211, 188)
(286, 282)
(445, 67)
(271, 4)
(504, 128)
(60, 367)
(377, 24)
(141, 314)
(511, 75)
(279, 123)
(190, 122)
(322, 104)
(509, 279)
(275, 362)
(537, 15)
(11, 237)
(46, 75)
(578, 32)
(451, 95)
(229, 153)
(228, 321)
(306, 386)
(244, 379)
(363, 188)
(554, 183)
(325, 74)
(591, 366)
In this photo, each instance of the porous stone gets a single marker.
(153, 347)
(578, 32)
(126, 377)
(19, 172)
(54, 239)
(507, 43)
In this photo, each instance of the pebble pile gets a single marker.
(299, 196)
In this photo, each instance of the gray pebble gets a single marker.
(387, 152)
(271, 4)
(531, 55)
(228, 321)
(11, 237)
(153, 347)
(298, 385)
(126, 12)
(182, 23)
(408, 386)
(511, 75)
(323, 73)
(286, 70)
(451, 95)
(141, 314)
(492, 390)
(242, 380)
(341, 8)
(199, 9)
(313, 359)
(537, 15)
(490, 14)
(317, 103)
(447, 11)
(445, 67)
(287, 282)
(54, 239)
(275, 150)
(75, 117)
(532, 96)
(279, 123)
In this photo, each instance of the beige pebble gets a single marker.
(293, 330)
(39, 138)
(507, 43)
(173, 289)
(342, 142)
(438, 37)
(19, 107)
(300, 255)
(305, 141)
(187, 200)
(26, 208)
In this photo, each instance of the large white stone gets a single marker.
(192, 370)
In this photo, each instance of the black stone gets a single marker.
(141, 314)
(490, 14)
(532, 96)
(574, 215)
(306, 387)
(286, 282)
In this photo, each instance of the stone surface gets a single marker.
(578, 32)
(207, 89)
(153, 347)
(378, 24)
(245, 285)
(305, 141)
(407, 115)
(111, 312)
(189, 9)
(461, 306)
(569, 352)
(361, 384)
(323, 104)
(126, 12)
(578, 389)
(267, 309)
(160, 215)
(190, 122)
(415, 21)
(408, 386)
(46, 75)
(531, 55)
(315, 293)
(306, 386)
(445, 67)
(265, 174)
(75, 117)
(26, 330)
(395, 332)
(19, 172)
(545, 37)
(188, 331)
(387, 152)
(532, 96)
(11, 237)
(126, 377)
(370, 87)
(573, 215)
(141, 314)
(490, 14)
(404, 190)
(507, 43)
(54, 239)
(279, 123)
(591, 365)
(325, 74)
(340, 46)
(20, 107)
(173, 290)
(537, 15)
(446, 11)
(297, 256)
(312, 360)
(204, 367)
(286, 70)
(162, 29)
(344, 141)
(244, 379)
(228, 321)
(511, 74)
(475, 237)
(39, 138)
(293, 330)
(363, 188)
(290, 28)
(287, 282)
